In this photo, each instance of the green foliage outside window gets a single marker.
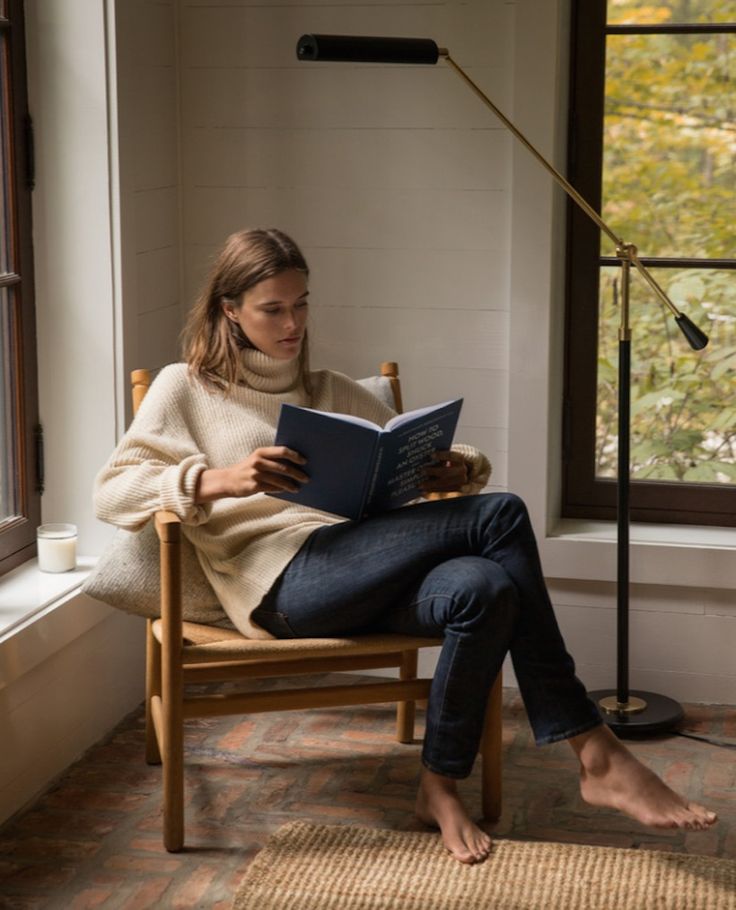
(669, 186)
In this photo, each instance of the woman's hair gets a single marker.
(212, 342)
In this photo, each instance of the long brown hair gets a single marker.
(211, 342)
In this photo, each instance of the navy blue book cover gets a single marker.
(355, 467)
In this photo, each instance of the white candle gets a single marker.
(57, 547)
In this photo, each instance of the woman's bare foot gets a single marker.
(611, 776)
(439, 805)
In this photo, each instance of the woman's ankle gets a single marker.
(596, 748)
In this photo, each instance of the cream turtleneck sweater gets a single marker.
(184, 427)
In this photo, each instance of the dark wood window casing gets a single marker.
(584, 494)
(19, 370)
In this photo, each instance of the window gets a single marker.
(653, 148)
(19, 430)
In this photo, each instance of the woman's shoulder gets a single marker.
(173, 373)
(173, 385)
(177, 377)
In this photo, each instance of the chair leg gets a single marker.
(405, 710)
(153, 687)
(172, 698)
(173, 773)
(491, 753)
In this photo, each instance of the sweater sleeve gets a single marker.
(479, 467)
(156, 465)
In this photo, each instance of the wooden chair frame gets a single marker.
(179, 653)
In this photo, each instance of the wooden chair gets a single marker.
(180, 652)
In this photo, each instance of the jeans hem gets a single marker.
(436, 770)
(568, 734)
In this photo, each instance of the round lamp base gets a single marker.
(644, 713)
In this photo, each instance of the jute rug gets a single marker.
(329, 867)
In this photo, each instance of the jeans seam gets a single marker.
(447, 676)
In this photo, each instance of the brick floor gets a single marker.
(93, 840)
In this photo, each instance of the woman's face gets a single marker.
(273, 314)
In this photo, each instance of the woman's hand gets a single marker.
(271, 469)
(448, 474)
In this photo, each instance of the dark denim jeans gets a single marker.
(466, 569)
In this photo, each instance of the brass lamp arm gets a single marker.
(562, 181)
(627, 252)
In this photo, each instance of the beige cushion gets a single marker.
(127, 574)
(380, 388)
(127, 577)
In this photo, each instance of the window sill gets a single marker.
(42, 613)
(26, 592)
(691, 556)
(670, 535)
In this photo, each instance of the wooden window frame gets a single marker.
(583, 494)
(18, 534)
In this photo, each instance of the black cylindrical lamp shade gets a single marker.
(363, 49)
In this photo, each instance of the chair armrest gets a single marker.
(168, 529)
(168, 526)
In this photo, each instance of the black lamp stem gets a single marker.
(622, 586)
(623, 489)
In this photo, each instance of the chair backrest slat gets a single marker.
(140, 380)
(390, 370)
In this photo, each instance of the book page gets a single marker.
(345, 418)
(408, 416)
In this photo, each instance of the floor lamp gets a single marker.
(626, 712)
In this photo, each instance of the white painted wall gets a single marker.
(65, 681)
(148, 149)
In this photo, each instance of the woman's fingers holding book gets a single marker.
(281, 466)
(448, 472)
(283, 455)
(272, 469)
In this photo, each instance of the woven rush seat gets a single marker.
(206, 643)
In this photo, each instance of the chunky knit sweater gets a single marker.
(184, 427)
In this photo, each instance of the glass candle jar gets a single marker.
(57, 547)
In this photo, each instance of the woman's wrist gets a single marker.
(213, 483)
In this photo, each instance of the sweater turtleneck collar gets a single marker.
(267, 374)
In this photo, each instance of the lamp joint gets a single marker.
(627, 252)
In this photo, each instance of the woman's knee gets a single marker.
(504, 513)
(483, 593)
(510, 503)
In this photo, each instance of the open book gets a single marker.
(355, 467)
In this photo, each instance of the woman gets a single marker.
(465, 568)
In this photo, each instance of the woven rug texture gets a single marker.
(333, 867)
